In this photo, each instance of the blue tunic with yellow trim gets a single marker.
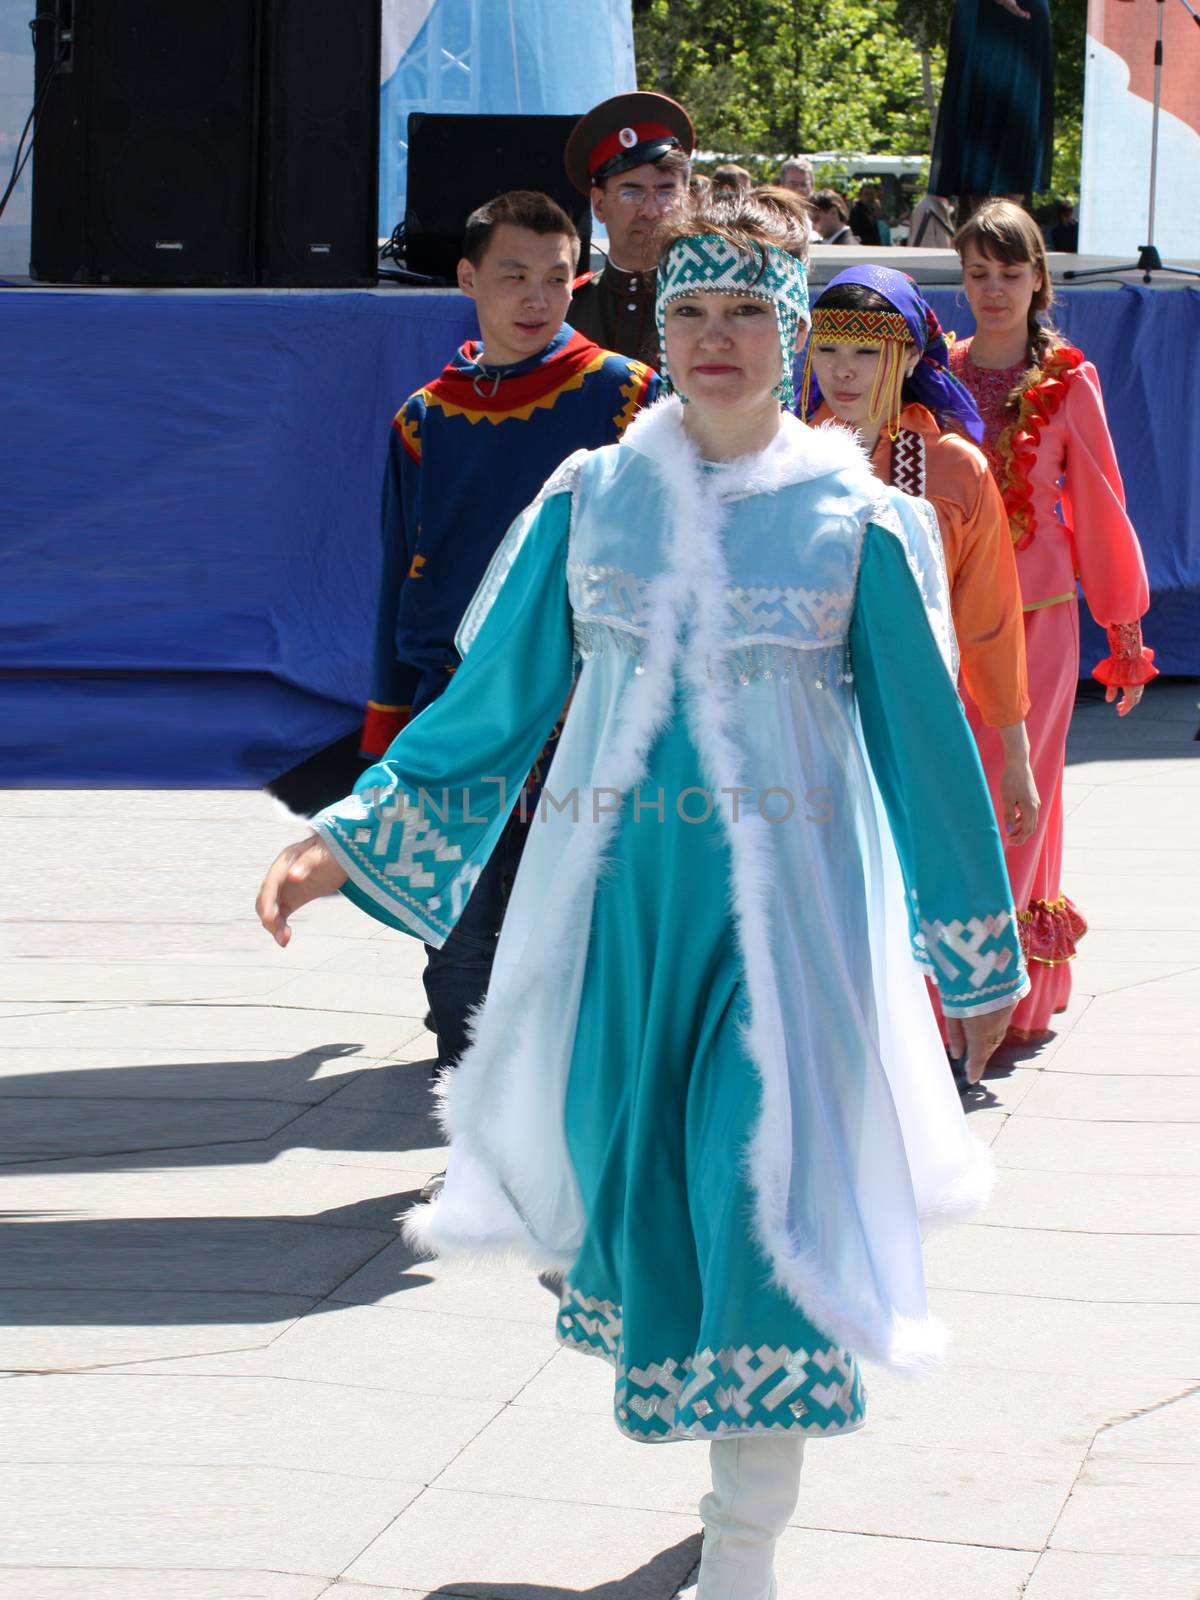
(467, 453)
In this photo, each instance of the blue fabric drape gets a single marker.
(189, 540)
(191, 507)
(1145, 344)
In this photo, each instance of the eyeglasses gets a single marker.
(660, 199)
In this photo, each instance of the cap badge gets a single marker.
(628, 138)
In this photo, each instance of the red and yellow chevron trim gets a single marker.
(835, 325)
(455, 393)
(481, 412)
(410, 435)
(635, 395)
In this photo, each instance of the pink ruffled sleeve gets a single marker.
(1108, 557)
(1128, 662)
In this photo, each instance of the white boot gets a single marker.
(756, 1481)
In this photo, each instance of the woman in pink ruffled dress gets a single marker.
(1048, 444)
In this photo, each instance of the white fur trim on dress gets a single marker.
(695, 554)
(693, 584)
(496, 1027)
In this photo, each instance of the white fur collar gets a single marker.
(796, 454)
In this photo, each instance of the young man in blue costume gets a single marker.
(706, 1087)
(467, 452)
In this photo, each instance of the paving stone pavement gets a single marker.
(226, 1378)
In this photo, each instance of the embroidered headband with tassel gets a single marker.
(909, 319)
(706, 263)
(889, 330)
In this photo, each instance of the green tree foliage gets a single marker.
(769, 75)
(1068, 19)
(764, 76)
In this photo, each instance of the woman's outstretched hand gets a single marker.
(1129, 697)
(978, 1038)
(302, 872)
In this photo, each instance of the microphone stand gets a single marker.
(1149, 261)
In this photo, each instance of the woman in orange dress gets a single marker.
(878, 361)
(1047, 441)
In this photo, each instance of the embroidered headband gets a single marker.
(706, 263)
(909, 322)
(853, 325)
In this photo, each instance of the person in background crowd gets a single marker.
(699, 188)
(1064, 235)
(632, 155)
(700, 1088)
(1047, 441)
(932, 224)
(831, 217)
(466, 452)
(796, 174)
(877, 360)
(729, 179)
(864, 216)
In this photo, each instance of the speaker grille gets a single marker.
(173, 130)
(320, 153)
(161, 160)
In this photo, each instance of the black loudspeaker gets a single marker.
(319, 173)
(456, 163)
(218, 142)
(144, 156)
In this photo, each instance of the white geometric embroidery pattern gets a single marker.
(608, 590)
(599, 1319)
(798, 617)
(908, 462)
(714, 1392)
(823, 666)
(460, 889)
(418, 836)
(824, 614)
(955, 945)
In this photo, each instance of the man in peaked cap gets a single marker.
(632, 155)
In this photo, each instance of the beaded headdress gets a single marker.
(706, 263)
(910, 322)
(885, 328)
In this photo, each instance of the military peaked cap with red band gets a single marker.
(625, 132)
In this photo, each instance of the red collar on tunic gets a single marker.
(458, 390)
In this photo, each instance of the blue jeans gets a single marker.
(456, 976)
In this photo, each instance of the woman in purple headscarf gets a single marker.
(878, 360)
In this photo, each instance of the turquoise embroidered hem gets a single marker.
(670, 1285)
(715, 1394)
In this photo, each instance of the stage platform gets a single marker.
(941, 269)
(189, 511)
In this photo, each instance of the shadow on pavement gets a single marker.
(63, 1266)
(658, 1579)
(1165, 725)
(225, 1113)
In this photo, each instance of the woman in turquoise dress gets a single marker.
(705, 1088)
